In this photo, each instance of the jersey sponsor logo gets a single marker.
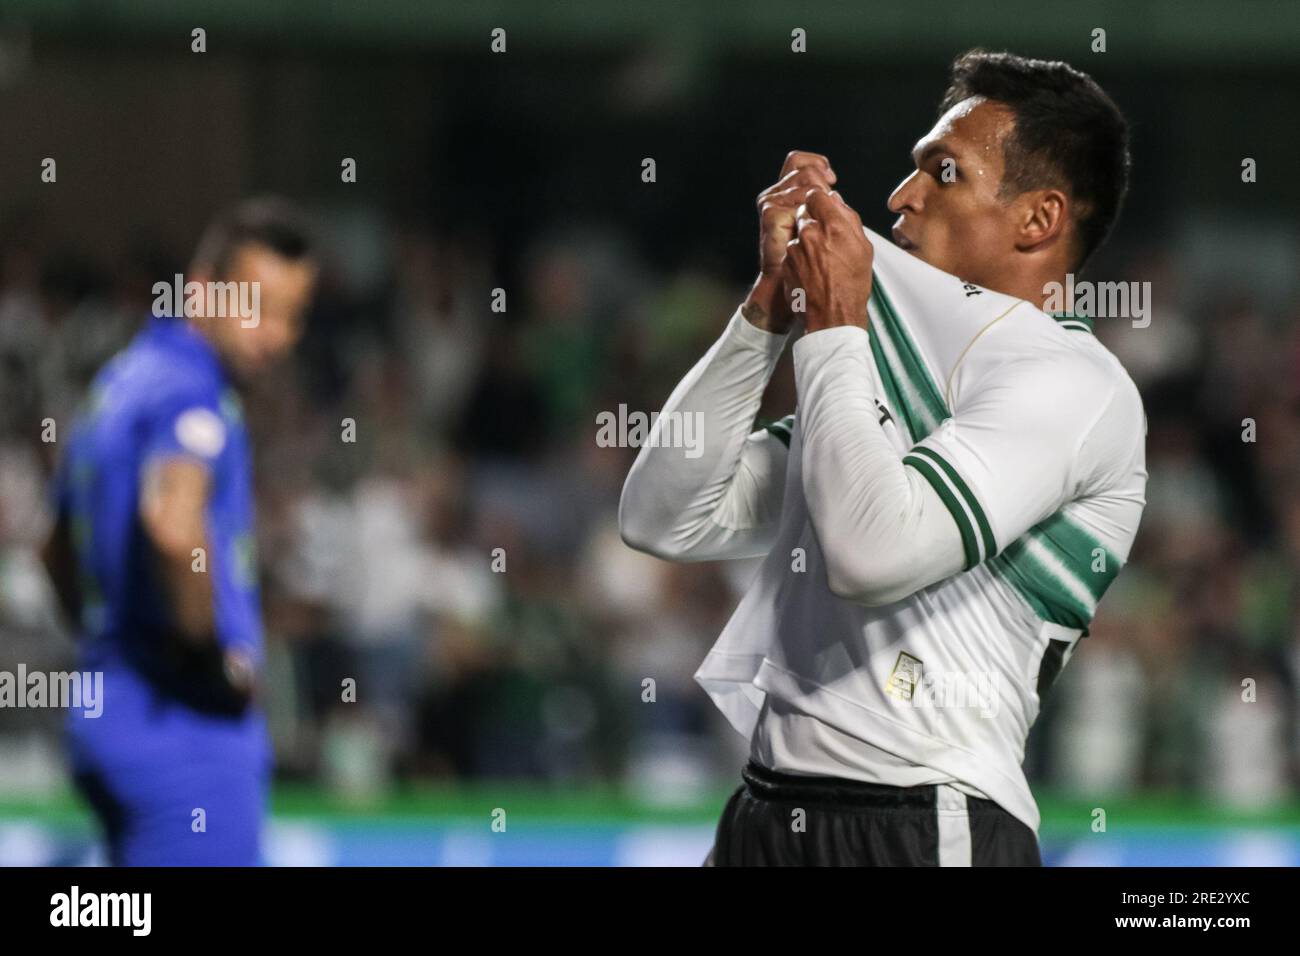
(201, 432)
(884, 413)
(905, 676)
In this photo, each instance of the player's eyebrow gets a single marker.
(922, 152)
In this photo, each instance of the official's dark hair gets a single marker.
(1068, 135)
(265, 221)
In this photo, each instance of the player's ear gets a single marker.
(1043, 217)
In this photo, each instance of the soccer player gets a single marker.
(152, 554)
(960, 482)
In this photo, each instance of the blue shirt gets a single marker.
(166, 394)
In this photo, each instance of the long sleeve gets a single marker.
(1026, 434)
(883, 531)
(720, 497)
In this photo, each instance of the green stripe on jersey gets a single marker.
(968, 541)
(782, 429)
(916, 429)
(963, 490)
(1059, 569)
(1051, 565)
(929, 402)
(1077, 323)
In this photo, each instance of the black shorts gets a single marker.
(776, 819)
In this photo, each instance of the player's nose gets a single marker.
(907, 196)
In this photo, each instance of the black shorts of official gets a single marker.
(777, 819)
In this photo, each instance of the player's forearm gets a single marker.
(765, 307)
(189, 592)
(883, 532)
(173, 510)
(709, 498)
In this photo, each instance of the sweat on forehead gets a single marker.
(972, 133)
(974, 122)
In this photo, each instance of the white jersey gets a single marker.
(957, 488)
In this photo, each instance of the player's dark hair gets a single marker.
(266, 221)
(1068, 135)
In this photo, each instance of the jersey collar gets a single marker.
(1068, 320)
(180, 336)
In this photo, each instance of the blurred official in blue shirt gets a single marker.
(153, 552)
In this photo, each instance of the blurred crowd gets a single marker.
(460, 559)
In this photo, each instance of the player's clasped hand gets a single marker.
(829, 258)
(779, 203)
(777, 206)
